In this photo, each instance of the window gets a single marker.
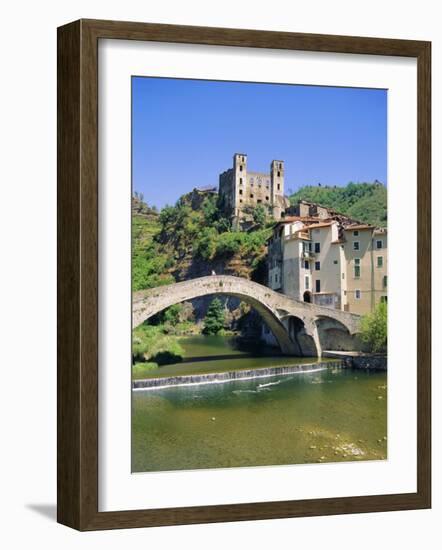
(317, 266)
(279, 187)
(240, 191)
(357, 268)
(335, 262)
(318, 285)
(380, 261)
(309, 247)
(267, 198)
(355, 245)
(317, 248)
(240, 181)
(379, 244)
(240, 200)
(251, 196)
(384, 281)
(240, 168)
(306, 265)
(355, 233)
(279, 174)
(384, 299)
(306, 283)
(343, 275)
(357, 294)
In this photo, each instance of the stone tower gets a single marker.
(241, 190)
(240, 182)
(277, 186)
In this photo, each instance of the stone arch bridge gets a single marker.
(300, 328)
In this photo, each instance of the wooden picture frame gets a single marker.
(78, 274)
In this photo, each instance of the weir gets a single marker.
(220, 377)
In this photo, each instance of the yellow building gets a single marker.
(337, 263)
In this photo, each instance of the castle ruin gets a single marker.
(241, 190)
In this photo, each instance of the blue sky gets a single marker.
(185, 132)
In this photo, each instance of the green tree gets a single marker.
(214, 321)
(259, 216)
(374, 328)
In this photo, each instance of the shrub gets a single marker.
(374, 328)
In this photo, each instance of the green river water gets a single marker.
(324, 415)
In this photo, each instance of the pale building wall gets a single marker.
(329, 270)
(364, 282)
(380, 271)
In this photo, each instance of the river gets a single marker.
(322, 415)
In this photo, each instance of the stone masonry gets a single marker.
(306, 336)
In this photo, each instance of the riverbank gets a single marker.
(359, 360)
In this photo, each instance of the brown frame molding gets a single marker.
(77, 224)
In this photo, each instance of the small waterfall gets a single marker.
(222, 377)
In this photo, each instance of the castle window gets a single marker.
(259, 201)
(240, 191)
(279, 174)
(279, 187)
(251, 196)
(240, 167)
(267, 198)
(240, 200)
(240, 181)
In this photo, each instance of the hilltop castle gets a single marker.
(241, 190)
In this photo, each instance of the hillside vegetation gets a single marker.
(190, 240)
(366, 202)
(193, 238)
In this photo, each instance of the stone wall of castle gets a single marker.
(241, 190)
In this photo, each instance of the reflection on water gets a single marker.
(324, 416)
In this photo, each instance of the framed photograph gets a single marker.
(243, 274)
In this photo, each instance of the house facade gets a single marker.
(336, 263)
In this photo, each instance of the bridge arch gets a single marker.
(335, 335)
(166, 299)
(275, 308)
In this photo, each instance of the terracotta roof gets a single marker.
(358, 227)
(323, 224)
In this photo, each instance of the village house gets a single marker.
(330, 260)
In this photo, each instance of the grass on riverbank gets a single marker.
(152, 346)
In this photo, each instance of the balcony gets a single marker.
(308, 255)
